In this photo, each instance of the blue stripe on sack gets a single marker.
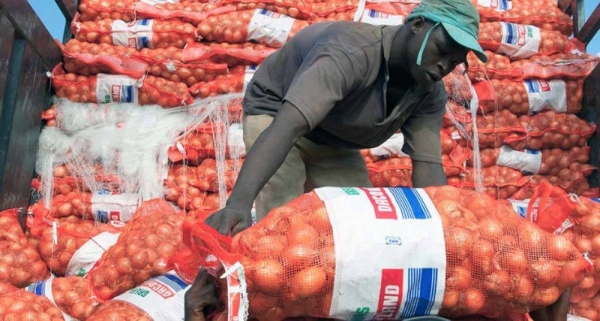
(37, 288)
(173, 281)
(532, 152)
(127, 94)
(510, 33)
(597, 200)
(411, 204)
(522, 211)
(504, 4)
(144, 22)
(532, 87)
(264, 12)
(420, 297)
(145, 42)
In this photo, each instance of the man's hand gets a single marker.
(555, 312)
(201, 297)
(229, 220)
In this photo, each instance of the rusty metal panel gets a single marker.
(590, 27)
(28, 25)
(68, 8)
(20, 129)
(6, 43)
(591, 112)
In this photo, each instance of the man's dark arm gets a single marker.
(428, 174)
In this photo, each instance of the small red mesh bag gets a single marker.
(458, 85)
(247, 53)
(493, 129)
(572, 180)
(229, 83)
(552, 130)
(455, 113)
(326, 8)
(526, 97)
(200, 143)
(400, 8)
(294, 9)
(289, 259)
(73, 295)
(237, 27)
(20, 263)
(153, 90)
(142, 251)
(18, 304)
(499, 182)
(491, 37)
(159, 33)
(61, 239)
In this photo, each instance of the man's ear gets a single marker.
(417, 24)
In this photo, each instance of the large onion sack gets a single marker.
(18, 304)
(20, 263)
(407, 252)
(73, 295)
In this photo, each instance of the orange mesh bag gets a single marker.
(325, 8)
(71, 246)
(527, 12)
(393, 7)
(543, 162)
(587, 308)
(499, 182)
(159, 298)
(146, 244)
(88, 59)
(18, 304)
(247, 53)
(144, 33)
(458, 85)
(308, 257)
(295, 9)
(572, 179)
(497, 67)
(179, 189)
(20, 263)
(72, 295)
(393, 172)
(492, 129)
(260, 25)
(521, 41)
(455, 113)
(232, 82)
(49, 116)
(189, 11)
(336, 16)
(552, 130)
(103, 89)
(530, 96)
(95, 10)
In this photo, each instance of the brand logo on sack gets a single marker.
(390, 294)
(376, 14)
(393, 240)
(269, 13)
(515, 34)
(160, 289)
(538, 86)
(382, 203)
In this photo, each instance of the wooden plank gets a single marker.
(591, 112)
(6, 43)
(68, 8)
(26, 22)
(20, 152)
(590, 27)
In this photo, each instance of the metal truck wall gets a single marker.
(27, 52)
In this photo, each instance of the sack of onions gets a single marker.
(232, 82)
(477, 262)
(96, 10)
(543, 162)
(234, 54)
(552, 130)
(295, 9)
(72, 295)
(186, 11)
(499, 182)
(336, 16)
(71, 245)
(518, 41)
(16, 304)
(20, 263)
(88, 59)
(142, 251)
(492, 129)
(458, 85)
(103, 89)
(160, 298)
(530, 96)
(326, 8)
(260, 25)
(455, 113)
(572, 180)
(143, 33)
(200, 143)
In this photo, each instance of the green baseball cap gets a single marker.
(460, 19)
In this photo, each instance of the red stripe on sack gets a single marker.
(382, 203)
(390, 294)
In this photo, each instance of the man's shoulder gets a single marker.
(351, 36)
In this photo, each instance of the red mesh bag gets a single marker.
(49, 116)
(290, 260)
(101, 89)
(552, 130)
(247, 53)
(20, 263)
(142, 251)
(145, 303)
(70, 204)
(557, 66)
(261, 25)
(546, 161)
(294, 9)
(499, 182)
(455, 113)
(95, 10)
(493, 129)
(587, 308)
(72, 295)
(18, 304)
(325, 8)
(572, 179)
(530, 40)
(457, 85)
(336, 16)
(229, 83)
(71, 246)
(144, 33)
(527, 12)
(393, 172)
(530, 96)
(401, 8)
(200, 143)
(88, 59)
